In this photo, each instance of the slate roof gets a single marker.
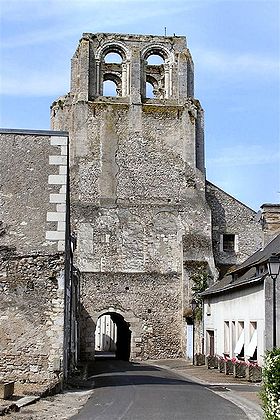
(261, 255)
(245, 274)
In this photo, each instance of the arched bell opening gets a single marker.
(155, 60)
(112, 85)
(112, 59)
(112, 337)
(156, 70)
(153, 88)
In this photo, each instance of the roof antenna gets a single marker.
(165, 31)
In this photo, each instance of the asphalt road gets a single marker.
(135, 391)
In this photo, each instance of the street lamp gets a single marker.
(273, 265)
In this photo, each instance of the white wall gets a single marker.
(244, 305)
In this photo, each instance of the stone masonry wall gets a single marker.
(150, 303)
(137, 186)
(230, 216)
(31, 318)
(32, 236)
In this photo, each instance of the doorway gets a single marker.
(210, 342)
(112, 336)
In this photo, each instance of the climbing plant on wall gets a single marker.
(200, 281)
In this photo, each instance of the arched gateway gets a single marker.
(113, 335)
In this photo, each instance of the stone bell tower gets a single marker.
(137, 183)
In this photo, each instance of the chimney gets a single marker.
(270, 222)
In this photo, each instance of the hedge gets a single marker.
(270, 394)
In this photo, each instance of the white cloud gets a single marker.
(229, 63)
(245, 155)
(41, 83)
(68, 18)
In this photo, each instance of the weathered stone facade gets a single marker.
(149, 302)
(143, 218)
(270, 221)
(230, 216)
(32, 317)
(137, 185)
(138, 191)
(32, 260)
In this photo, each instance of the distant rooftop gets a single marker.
(246, 273)
(32, 132)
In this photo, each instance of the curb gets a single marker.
(252, 410)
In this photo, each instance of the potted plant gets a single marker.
(221, 364)
(211, 361)
(199, 359)
(239, 369)
(229, 366)
(253, 372)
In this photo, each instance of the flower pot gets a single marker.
(221, 365)
(228, 367)
(212, 362)
(239, 370)
(253, 373)
(199, 359)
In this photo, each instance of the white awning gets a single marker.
(240, 343)
(250, 350)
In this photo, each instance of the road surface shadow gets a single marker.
(107, 373)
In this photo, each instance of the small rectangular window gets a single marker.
(228, 243)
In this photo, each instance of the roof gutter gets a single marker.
(246, 283)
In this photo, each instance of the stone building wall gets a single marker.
(32, 312)
(137, 183)
(32, 220)
(149, 302)
(142, 215)
(230, 216)
(270, 222)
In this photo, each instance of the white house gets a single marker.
(241, 318)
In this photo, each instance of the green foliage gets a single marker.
(270, 394)
(200, 281)
(198, 313)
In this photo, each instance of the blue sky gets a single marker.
(235, 48)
